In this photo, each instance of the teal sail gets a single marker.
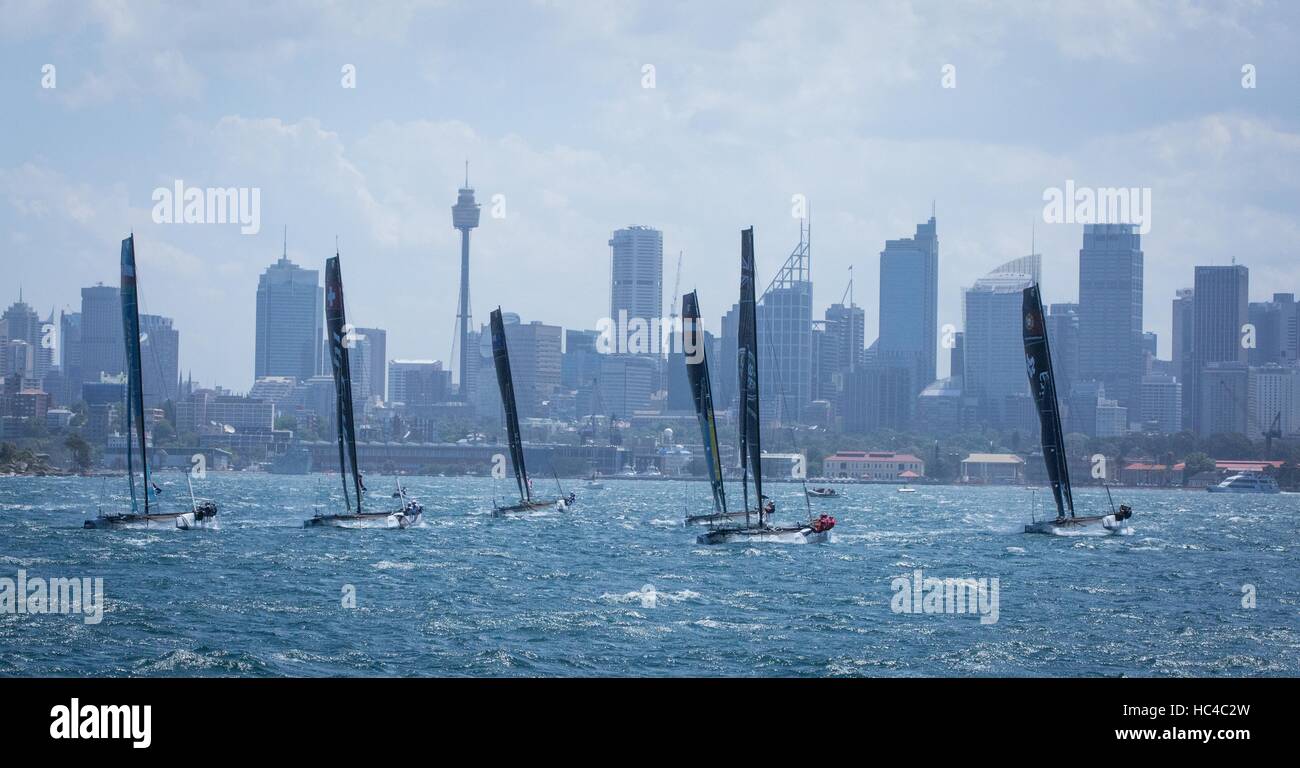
(134, 379)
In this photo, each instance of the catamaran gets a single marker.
(409, 512)
(506, 383)
(758, 525)
(697, 373)
(202, 514)
(1042, 382)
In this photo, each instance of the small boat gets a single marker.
(409, 512)
(757, 526)
(1246, 482)
(822, 493)
(1042, 382)
(907, 489)
(201, 514)
(506, 383)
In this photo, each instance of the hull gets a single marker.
(397, 519)
(1092, 524)
(1217, 489)
(768, 534)
(816, 495)
(713, 518)
(527, 506)
(185, 521)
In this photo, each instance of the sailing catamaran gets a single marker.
(506, 382)
(1042, 381)
(697, 373)
(410, 511)
(202, 514)
(758, 524)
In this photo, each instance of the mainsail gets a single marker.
(697, 372)
(339, 340)
(751, 453)
(1042, 381)
(506, 383)
(134, 380)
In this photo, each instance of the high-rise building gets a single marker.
(877, 396)
(909, 303)
(1183, 317)
(1224, 397)
(464, 217)
(636, 266)
(1063, 336)
(785, 338)
(534, 364)
(1276, 331)
(1162, 404)
(1274, 393)
(581, 362)
(1220, 310)
(377, 376)
(159, 360)
(1110, 309)
(102, 351)
(70, 356)
(993, 347)
(21, 322)
(290, 321)
(417, 383)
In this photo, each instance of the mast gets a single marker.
(1042, 382)
(134, 380)
(697, 372)
(506, 383)
(747, 354)
(336, 322)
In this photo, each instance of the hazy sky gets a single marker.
(754, 102)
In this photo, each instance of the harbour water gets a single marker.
(1205, 585)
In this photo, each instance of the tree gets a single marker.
(287, 421)
(81, 454)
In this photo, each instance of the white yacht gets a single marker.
(1246, 482)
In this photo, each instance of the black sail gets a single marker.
(337, 325)
(506, 383)
(1042, 382)
(747, 356)
(697, 373)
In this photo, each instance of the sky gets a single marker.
(753, 103)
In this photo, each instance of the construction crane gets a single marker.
(677, 284)
(848, 291)
(1274, 432)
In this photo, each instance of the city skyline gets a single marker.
(709, 149)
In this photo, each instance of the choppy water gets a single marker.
(617, 587)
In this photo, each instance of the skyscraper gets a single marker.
(1110, 310)
(636, 275)
(1276, 331)
(378, 339)
(290, 318)
(159, 360)
(1220, 310)
(1182, 335)
(993, 349)
(785, 338)
(464, 217)
(21, 322)
(909, 303)
(102, 351)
